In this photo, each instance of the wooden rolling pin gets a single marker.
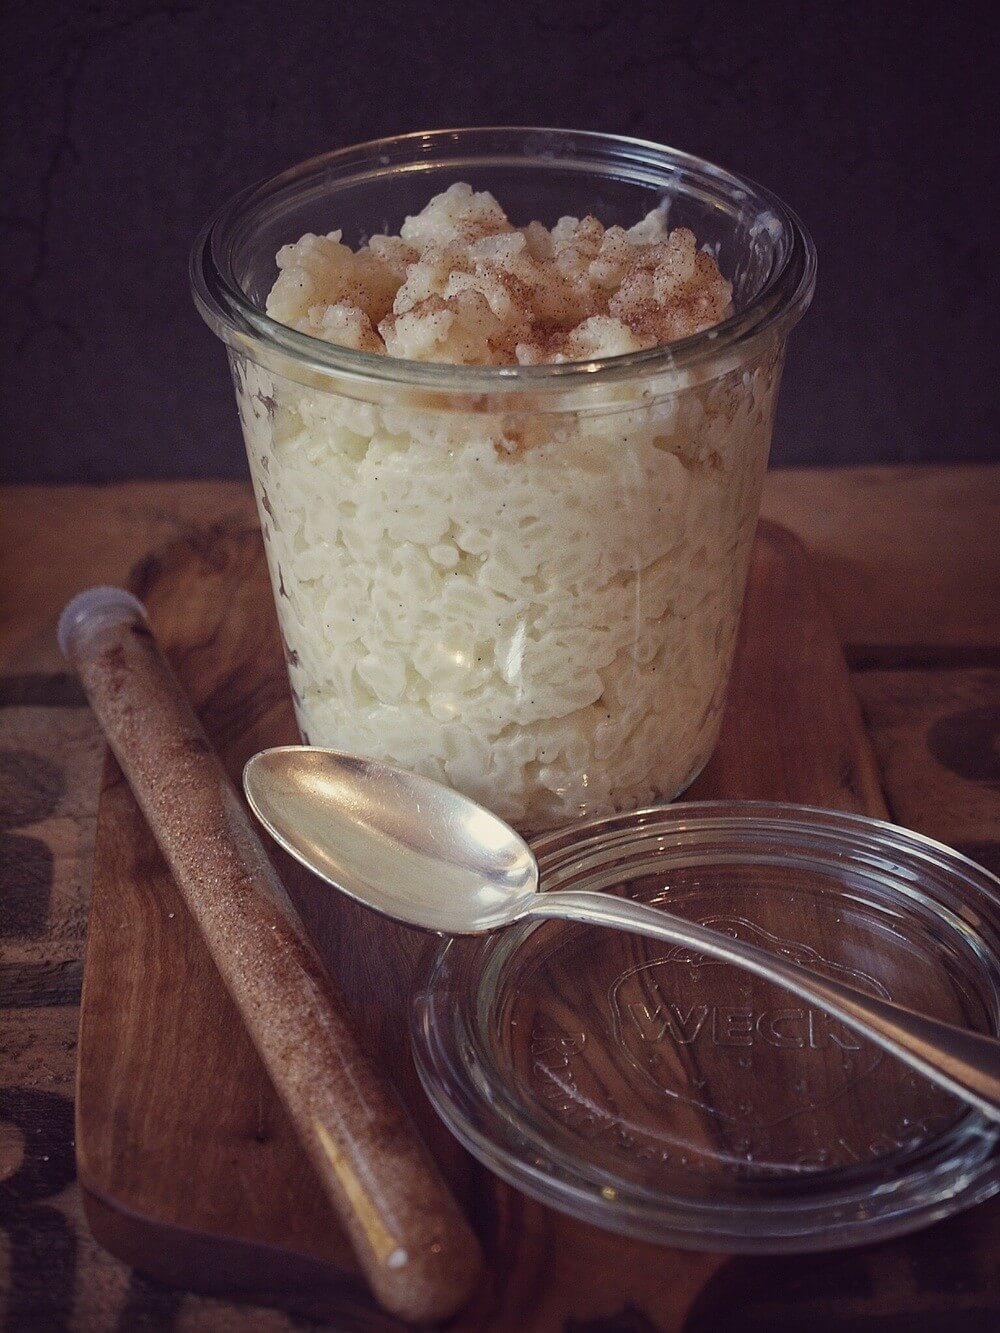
(417, 1250)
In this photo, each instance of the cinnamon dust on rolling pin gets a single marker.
(415, 1247)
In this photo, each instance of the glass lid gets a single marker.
(654, 1092)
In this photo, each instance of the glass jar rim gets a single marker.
(241, 323)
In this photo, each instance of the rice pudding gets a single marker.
(537, 607)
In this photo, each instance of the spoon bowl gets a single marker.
(404, 845)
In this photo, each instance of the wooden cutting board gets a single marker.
(189, 1169)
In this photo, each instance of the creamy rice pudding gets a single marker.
(535, 606)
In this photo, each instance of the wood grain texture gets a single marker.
(951, 720)
(60, 539)
(189, 1167)
(905, 558)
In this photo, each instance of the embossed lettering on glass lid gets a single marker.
(658, 1093)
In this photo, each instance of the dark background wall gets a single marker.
(126, 123)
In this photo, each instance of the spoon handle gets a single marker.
(965, 1063)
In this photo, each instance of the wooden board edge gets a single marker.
(234, 1270)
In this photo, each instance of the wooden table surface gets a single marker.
(908, 561)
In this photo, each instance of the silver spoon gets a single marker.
(422, 854)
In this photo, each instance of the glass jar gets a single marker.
(524, 582)
(645, 1088)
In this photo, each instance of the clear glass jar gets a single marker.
(524, 582)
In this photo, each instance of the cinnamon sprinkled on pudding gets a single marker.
(461, 284)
